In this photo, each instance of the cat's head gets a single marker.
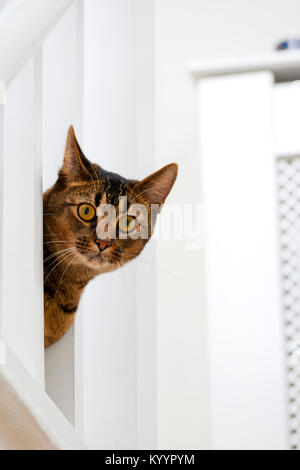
(98, 218)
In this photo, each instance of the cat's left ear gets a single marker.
(156, 188)
(76, 166)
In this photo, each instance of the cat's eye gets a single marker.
(127, 223)
(86, 212)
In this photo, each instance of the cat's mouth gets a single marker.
(105, 254)
(98, 259)
(95, 256)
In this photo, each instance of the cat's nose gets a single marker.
(103, 244)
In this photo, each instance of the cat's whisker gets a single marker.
(75, 265)
(58, 241)
(69, 264)
(53, 234)
(57, 257)
(60, 256)
(57, 253)
(64, 259)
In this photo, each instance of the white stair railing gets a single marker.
(24, 28)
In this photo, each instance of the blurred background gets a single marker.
(185, 348)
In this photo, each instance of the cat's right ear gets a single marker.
(156, 188)
(76, 166)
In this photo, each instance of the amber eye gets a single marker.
(86, 212)
(127, 223)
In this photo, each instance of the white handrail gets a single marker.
(39, 424)
(23, 29)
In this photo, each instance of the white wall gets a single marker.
(185, 30)
(242, 274)
(3, 3)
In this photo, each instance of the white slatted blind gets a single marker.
(287, 141)
(289, 217)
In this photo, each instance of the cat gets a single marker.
(81, 241)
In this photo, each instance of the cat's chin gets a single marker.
(99, 264)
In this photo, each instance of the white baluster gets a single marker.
(38, 216)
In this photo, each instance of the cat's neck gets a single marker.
(65, 278)
(63, 288)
